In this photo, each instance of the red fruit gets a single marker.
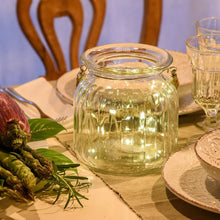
(14, 127)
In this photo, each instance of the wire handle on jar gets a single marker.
(174, 79)
(80, 74)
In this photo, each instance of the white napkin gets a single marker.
(44, 95)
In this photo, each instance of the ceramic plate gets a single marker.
(186, 103)
(185, 177)
(66, 84)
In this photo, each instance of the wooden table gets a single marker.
(118, 197)
(147, 195)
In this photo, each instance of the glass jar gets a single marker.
(125, 109)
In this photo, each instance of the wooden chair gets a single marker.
(151, 22)
(48, 10)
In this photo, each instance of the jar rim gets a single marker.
(158, 58)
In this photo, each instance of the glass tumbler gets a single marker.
(125, 109)
(208, 25)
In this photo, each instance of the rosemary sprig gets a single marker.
(69, 184)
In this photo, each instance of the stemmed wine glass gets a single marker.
(204, 53)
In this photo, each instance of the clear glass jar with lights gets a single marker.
(125, 109)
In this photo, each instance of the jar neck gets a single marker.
(126, 61)
(117, 73)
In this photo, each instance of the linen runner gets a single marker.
(102, 202)
(147, 195)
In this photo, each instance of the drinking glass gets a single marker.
(204, 54)
(208, 25)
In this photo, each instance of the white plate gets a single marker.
(184, 73)
(66, 84)
(186, 103)
(185, 177)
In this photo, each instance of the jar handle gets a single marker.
(174, 79)
(80, 74)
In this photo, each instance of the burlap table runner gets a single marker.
(147, 195)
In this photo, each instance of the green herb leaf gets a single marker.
(2, 182)
(59, 181)
(66, 166)
(76, 177)
(58, 158)
(42, 129)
